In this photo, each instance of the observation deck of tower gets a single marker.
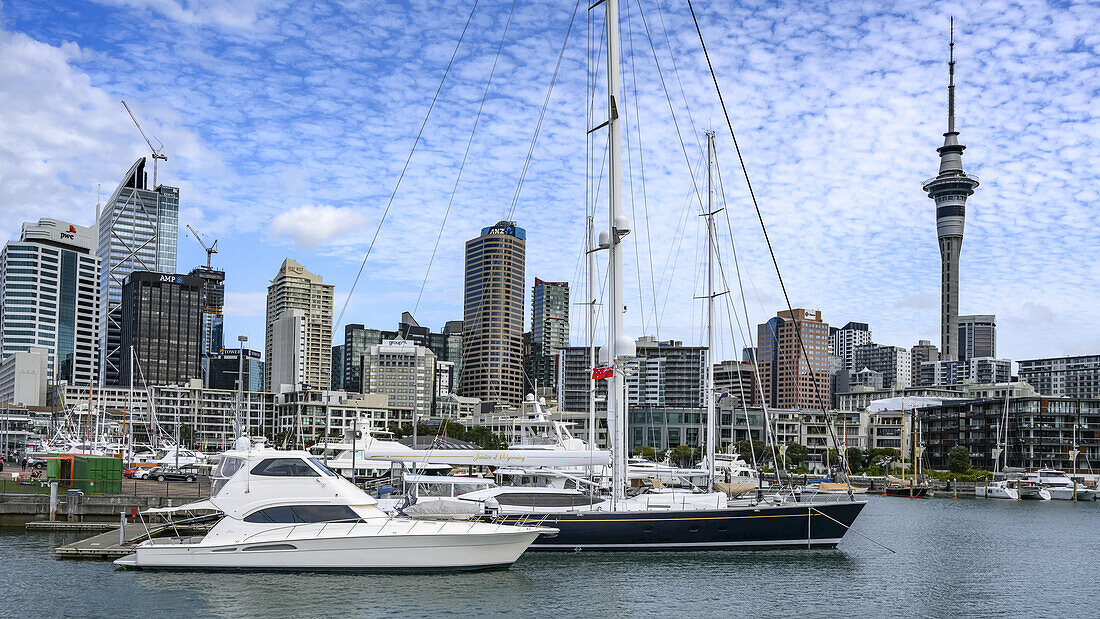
(949, 189)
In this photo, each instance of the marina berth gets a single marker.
(286, 510)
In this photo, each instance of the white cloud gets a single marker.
(246, 304)
(310, 225)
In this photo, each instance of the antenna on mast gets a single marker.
(155, 153)
(951, 80)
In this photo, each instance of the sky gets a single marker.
(287, 126)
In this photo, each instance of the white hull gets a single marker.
(1066, 493)
(1035, 494)
(995, 492)
(346, 547)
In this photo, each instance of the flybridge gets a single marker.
(494, 457)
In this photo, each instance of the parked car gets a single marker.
(128, 472)
(144, 472)
(184, 473)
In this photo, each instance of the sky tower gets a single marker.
(950, 189)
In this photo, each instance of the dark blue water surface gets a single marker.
(954, 557)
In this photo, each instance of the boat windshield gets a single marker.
(324, 469)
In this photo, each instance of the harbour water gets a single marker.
(954, 557)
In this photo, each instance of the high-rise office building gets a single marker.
(49, 298)
(549, 335)
(977, 336)
(404, 371)
(492, 326)
(789, 378)
(137, 232)
(845, 339)
(226, 366)
(295, 288)
(337, 383)
(213, 321)
(922, 353)
(738, 379)
(162, 323)
(950, 189)
(446, 346)
(289, 343)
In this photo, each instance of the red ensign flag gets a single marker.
(602, 373)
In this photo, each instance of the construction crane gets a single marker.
(210, 249)
(156, 153)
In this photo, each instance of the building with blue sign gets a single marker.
(492, 325)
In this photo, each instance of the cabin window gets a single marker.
(284, 467)
(321, 467)
(228, 466)
(302, 514)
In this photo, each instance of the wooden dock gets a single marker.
(46, 525)
(105, 545)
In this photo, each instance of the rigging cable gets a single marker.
(771, 250)
(401, 176)
(542, 114)
(462, 165)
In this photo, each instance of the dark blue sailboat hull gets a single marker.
(799, 525)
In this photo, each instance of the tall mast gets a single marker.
(590, 332)
(712, 434)
(617, 228)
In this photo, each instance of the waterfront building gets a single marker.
(950, 189)
(1072, 377)
(893, 362)
(844, 341)
(213, 308)
(303, 417)
(1042, 431)
(138, 231)
(161, 317)
(492, 326)
(49, 299)
(226, 367)
(848, 381)
(977, 336)
(23, 377)
(788, 378)
(454, 407)
(403, 371)
(549, 336)
(980, 370)
(206, 417)
(922, 353)
(295, 288)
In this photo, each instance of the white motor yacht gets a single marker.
(286, 510)
(1061, 486)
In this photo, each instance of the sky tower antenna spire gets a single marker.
(951, 80)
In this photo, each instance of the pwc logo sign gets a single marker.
(70, 235)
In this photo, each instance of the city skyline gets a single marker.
(288, 149)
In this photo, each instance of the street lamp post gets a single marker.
(242, 339)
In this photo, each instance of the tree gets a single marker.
(958, 459)
(797, 454)
(855, 459)
(187, 435)
(682, 455)
(644, 452)
(757, 447)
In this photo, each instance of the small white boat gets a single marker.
(1000, 489)
(286, 510)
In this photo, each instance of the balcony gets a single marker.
(949, 178)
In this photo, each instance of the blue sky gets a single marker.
(287, 124)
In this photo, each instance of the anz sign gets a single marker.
(505, 227)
